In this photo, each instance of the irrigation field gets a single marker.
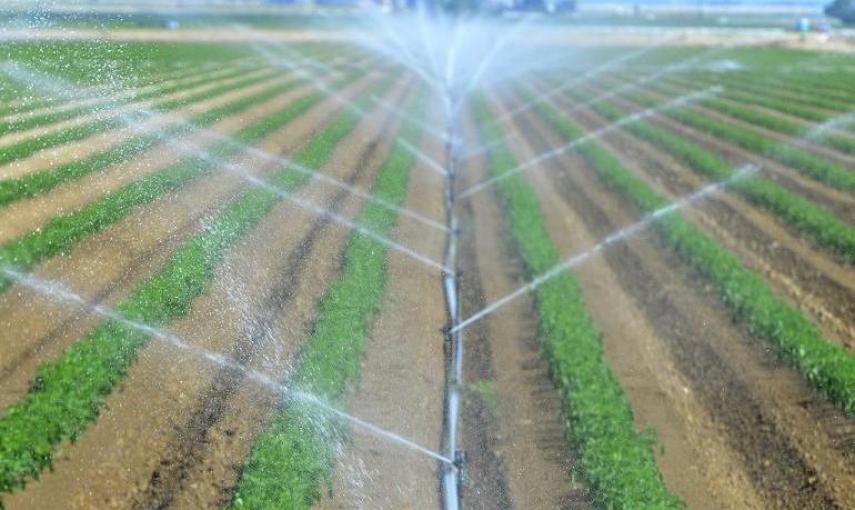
(315, 270)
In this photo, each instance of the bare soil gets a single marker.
(401, 383)
(107, 265)
(158, 421)
(793, 451)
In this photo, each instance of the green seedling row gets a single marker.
(68, 393)
(813, 100)
(41, 181)
(807, 162)
(814, 221)
(613, 456)
(744, 111)
(827, 367)
(24, 148)
(44, 119)
(62, 232)
(19, 107)
(295, 455)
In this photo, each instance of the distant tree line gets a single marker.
(842, 9)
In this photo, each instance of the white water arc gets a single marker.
(57, 291)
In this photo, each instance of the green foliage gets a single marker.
(487, 392)
(813, 220)
(41, 181)
(808, 162)
(68, 393)
(47, 118)
(63, 231)
(28, 146)
(740, 105)
(828, 367)
(614, 457)
(291, 460)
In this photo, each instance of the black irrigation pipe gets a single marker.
(451, 476)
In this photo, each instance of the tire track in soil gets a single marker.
(140, 419)
(810, 278)
(105, 265)
(190, 442)
(521, 459)
(400, 386)
(694, 458)
(679, 308)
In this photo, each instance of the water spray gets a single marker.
(57, 291)
(589, 137)
(57, 86)
(615, 237)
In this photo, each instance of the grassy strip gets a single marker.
(62, 232)
(67, 394)
(811, 219)
(829, 368)
(41, 181)
(43, 119)
(614, 457)
(291, 459)
(26, 147)
(812, 164)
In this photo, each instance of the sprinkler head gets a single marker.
(460, 465)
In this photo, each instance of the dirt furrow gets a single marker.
(190, 451)
(105, 266)
(692, 453)
(23, 216)
(401, 383)
(811, 278)
(92, 111)
(159, 395)
(104, 91)
(127, 126)
(787, 450)
(825, 151)
(839, 202)
(509, 389)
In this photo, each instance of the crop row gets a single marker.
(165, 83)
(742, 109)
(292, 458)
(57, 115)
(823, 227)
(68, 393)
(827, 367)
(41, 105)
(133, 64)
(35, 105)
(40, 181)
(772, 99)
(815, 99)
(63, 231)
(26, 147)
(614, 457)
(806, 161)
